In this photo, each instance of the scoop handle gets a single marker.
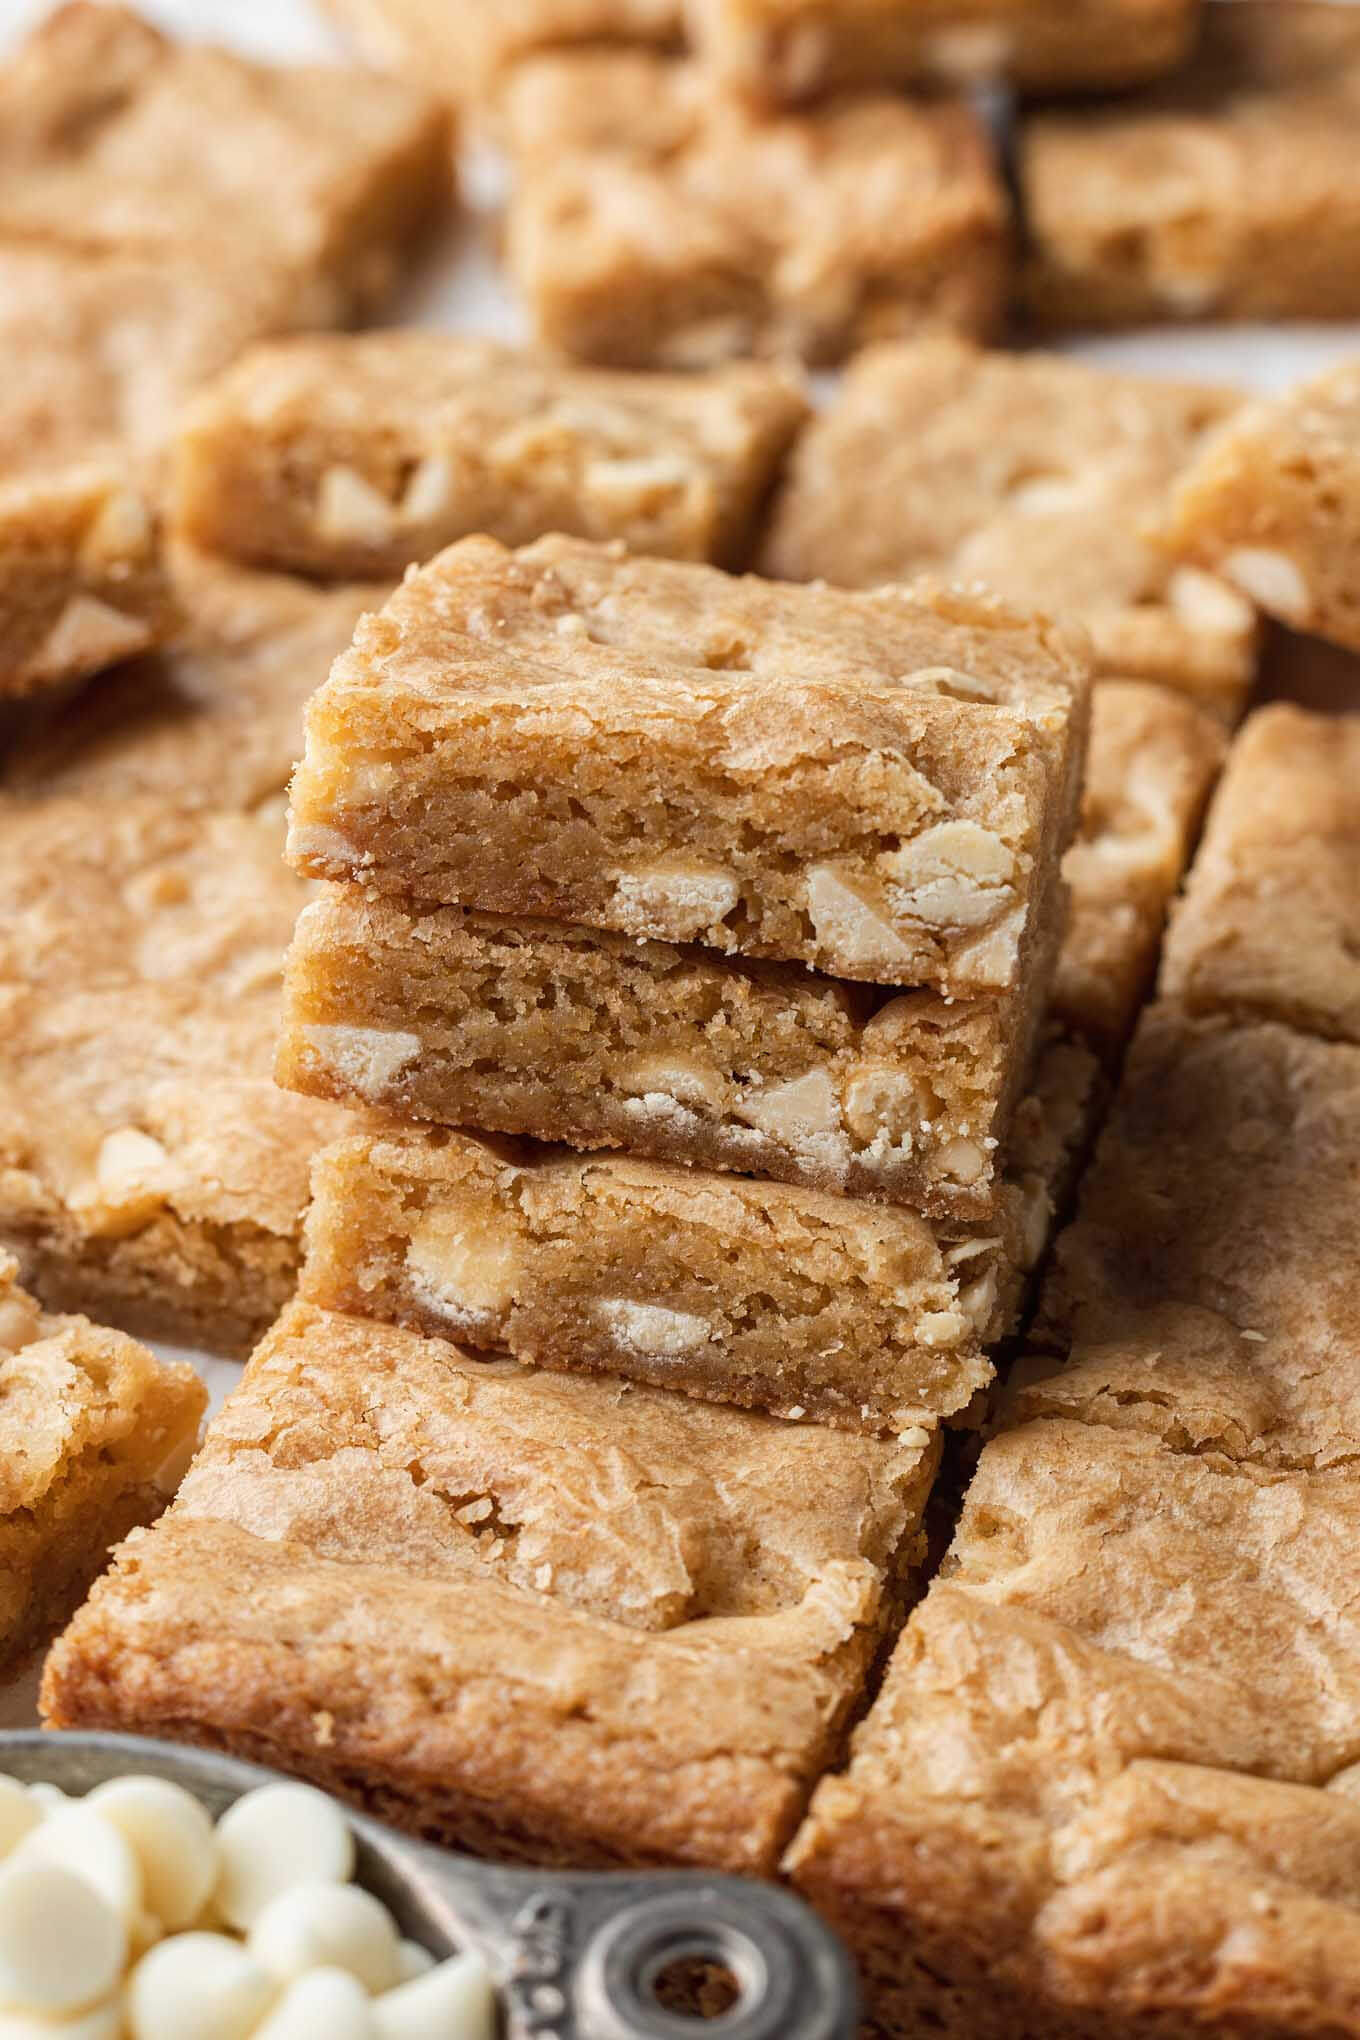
(578, 1954)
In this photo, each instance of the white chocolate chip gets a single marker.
(1272, 580)
(172, 1839)
(681, 1077)
(635, 484)
(429, 491)
(652, 1327)
(795, 1111)
(366, 1059)
(19, 1812)
(677, 902)
(122, 531)
(75, 1837)
(465, 1260)
(854, 934)
(350, 510)
(274, 1838)
(952, 875)
(415, 1960)
(978, 1299)
(62, 1946)
(89, 634)
(962, 1160)
(327, 2004)
(327, 1926)
(941, 1328)
(453, 2001)
(1203, 602)
(204, 1984)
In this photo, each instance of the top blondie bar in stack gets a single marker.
(735, 907)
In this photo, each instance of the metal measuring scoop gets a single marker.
(576, 1954)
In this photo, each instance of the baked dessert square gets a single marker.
(1108, 1786)
(1205, 1290)
(102, 348)
(1047, 478)
(214, 719)
(150, 1170)
(467, 52)
(521, 1613)
(730, 1288)
(778, 52)
(167, 148)
(95, 1433)
(658, 223)
(1272, 503)
(1228, 192)
(674, 1052)
(879, 785)
(349, 457)
(1153, 759)
(1269, 928)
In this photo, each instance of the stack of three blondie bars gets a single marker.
(727, 913)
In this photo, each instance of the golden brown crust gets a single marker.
(1272, 502)
(351, 456)
(879, 785)
(656, 223)
(149, 1167)
(94, 1435)
(1228, 192)
(1269, 928)
(1040, 476)
(427, 1577)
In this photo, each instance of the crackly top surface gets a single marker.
(1035, 474)
(1205, 1291)
(113, 135)
(1270, 924)
(588, 623)
(359, 1443)
(465, 51)
(140, 966)
(72, 1391)
(214, 721)
(1113, 1761)
(1262, 122)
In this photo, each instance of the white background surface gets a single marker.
(461, 288)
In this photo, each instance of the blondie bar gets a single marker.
(216, 718)
(733, 1289)
(1273, 502)
(113, 137)
(94, 1436)
(656, 223)
(150, 1170)
(1108, 1788)
(880, 785)
(669, 1050)
(1153, 759)
(1038, 475)
(1269, 928)
(467, 52)
(354, 456)
(778, 52)
(518, 1612)
(1230, 192)
(1206, 1289)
